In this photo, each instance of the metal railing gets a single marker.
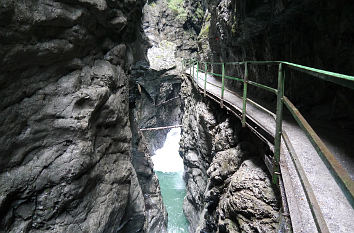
(339, 173)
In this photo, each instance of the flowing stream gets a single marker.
(168, 166)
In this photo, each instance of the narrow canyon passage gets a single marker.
(85, 83)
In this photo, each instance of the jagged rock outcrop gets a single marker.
(155, 101)
(65, 136)
(156, 214)
(228, 185)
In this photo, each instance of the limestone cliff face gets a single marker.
(228, 186)
(155, 101)
(65, 136)
(315, 33)
(179, 23)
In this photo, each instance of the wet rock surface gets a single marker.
(156, 214)
(312, 33)
(66, 160)
(155, 101)
(228, 186)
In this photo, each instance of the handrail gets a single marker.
(337, 171)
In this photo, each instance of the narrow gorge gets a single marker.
(103, 127)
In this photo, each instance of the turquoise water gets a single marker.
(173, 191)
(168, 166)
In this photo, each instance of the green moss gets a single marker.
(199, 13)
(177, 6)
(233, 29)
(234, 25)
(205, 31)
(153, 4)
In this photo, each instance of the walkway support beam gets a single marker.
(245, 83)
(278, 125)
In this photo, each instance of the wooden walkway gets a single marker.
(336, 209)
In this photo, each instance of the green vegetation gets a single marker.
(153, 4)
(199, 13)
(205, 30)
(234, 26)
(177, 6)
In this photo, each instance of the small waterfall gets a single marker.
(168, 166)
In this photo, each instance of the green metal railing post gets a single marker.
(222, 86)
(205, 78)
(245, 80)
(197, 71)
(278, 127)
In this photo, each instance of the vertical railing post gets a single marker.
(278, 127)
(245, 80)
(197, 72)
(205, 78)
(222, 86)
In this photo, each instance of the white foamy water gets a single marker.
(167, 158)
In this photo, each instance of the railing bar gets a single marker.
(318, 71)
(263, 87)
(310, 196)
(312, 71)
(339, 173)
(248, 100)
(213, 84)
(233, 78)
(218, 75)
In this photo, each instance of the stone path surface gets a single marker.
(336, 209)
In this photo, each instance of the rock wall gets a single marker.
(65, 135)
(179, 23)
(155, 101)
(169, 32)
(315, 33)
(228, 186)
